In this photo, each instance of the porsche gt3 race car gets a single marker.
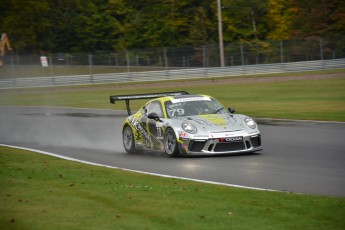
(182, 124)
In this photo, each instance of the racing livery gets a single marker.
(182, 124)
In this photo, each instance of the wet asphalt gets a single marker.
(299, 156)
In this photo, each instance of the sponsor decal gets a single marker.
(182, 134)
(215, 119)
(190, 99)
(232, 139)
(135, 121)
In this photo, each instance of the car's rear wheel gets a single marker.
(170, 143)
(128, 139)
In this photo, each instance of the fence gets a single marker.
(242, 55)
(171, 74)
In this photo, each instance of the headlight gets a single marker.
(250, 122)
(188, 127)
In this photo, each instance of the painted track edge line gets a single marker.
(137, 171)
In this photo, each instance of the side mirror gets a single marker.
(231, 110)
(153, 116)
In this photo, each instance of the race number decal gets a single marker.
(176, 112)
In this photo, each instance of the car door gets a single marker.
(154, 128)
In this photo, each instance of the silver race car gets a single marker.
(182, 124)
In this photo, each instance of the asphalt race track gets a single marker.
(301, 157)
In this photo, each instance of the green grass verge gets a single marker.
(303, 100)
(43, 192)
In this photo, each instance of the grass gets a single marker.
(43, 192)
(303, 100)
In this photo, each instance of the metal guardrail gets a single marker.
(171, 74)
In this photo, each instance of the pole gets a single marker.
(321, 49)
(128, 62)
(281, 52)
(165, 58)
(90, 67)
(90, 64)
(220, 31)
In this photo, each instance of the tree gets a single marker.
(244, 20)
(27, 25)
(279, 19)
(96, 26)
(90, 25)
(317, 17)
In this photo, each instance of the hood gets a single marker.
(217, 122)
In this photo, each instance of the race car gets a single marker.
(181, 124)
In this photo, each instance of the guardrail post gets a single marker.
(321, 53)
(14, 81)
(90, 68)
(51, 70)
(166, 63)
(281, 52)
(12, 66)
(160, 61)
(165, 59)
(242, 55)
(116, 60)
(137, 59)
(242, 59)
(205, 70)
(128, 62)
(204, 55)
(321, 49)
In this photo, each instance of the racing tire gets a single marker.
(170, 143)
(128, 139)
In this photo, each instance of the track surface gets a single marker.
(302, 157)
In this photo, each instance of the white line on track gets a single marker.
(136, 171)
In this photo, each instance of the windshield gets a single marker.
(181, 108)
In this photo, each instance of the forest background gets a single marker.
(47, 26)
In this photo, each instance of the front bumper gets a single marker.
(218, 146)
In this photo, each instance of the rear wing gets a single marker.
(127, 98)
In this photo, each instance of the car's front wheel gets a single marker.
(128, 139)
(170, 143)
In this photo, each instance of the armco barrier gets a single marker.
(171, 74)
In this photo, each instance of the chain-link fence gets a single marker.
(236, 54)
